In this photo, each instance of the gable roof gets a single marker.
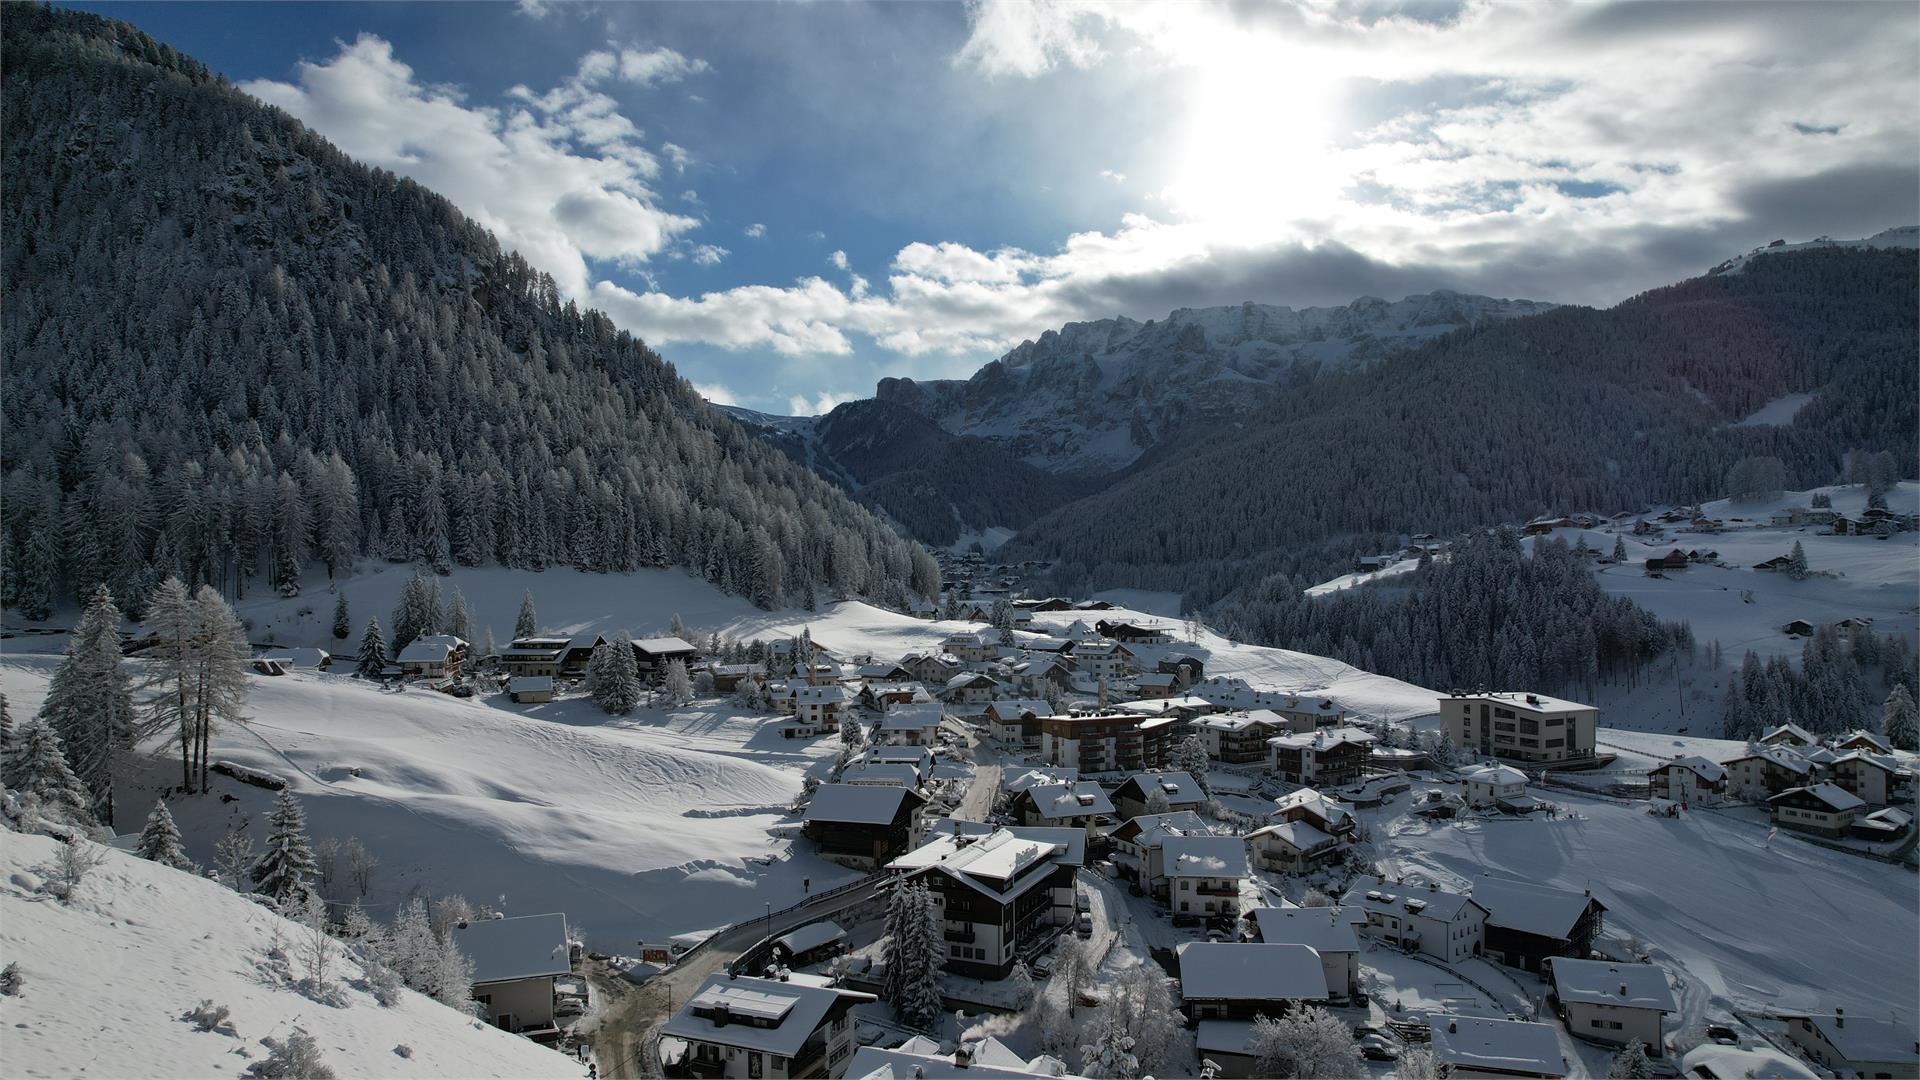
(1835, 797)
(861, 804)
(911, 716)
(1148, 830)
(526, 947)
(796, 1009)
(898, 773)
(1012, 708)
(1300, 835)
(1863, 1038)
(811, 936)
(1321, 929)
(1322, 739)
(1178, 787)
(1530, 908)
(1327, 810)
(1602, 982)
(1793, 731)
(1710, 771)
(1079, 799)
(1204, 856)
(1494, 775)
(1371, 894)
(655, 646)
(1514, 1046)
(1250, 971)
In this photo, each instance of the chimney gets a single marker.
(1453, 1028)
(1623, 989)
(1839, 1017)
(963, 1057)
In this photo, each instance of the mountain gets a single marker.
(233, 353)
(1090, 398)
(936, 486)
(1903, 236)
(139, 946)
(1568, 410)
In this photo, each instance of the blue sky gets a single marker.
(792, 200)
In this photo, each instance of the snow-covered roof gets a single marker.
(1235, 721)
(1893, 816)
(919, 756)
(1204, 856)
(810, 937)
(1178, 787)
(1878, 742)
(1835, 797)
(1300, 835)
(1371, 894)
(1013, 783)
(1712, 772)
(911, 716)
(530, 684)
(968, 678)
(1520, 699)
(795, 1009)
(1250, 971)
(1323, 929)
(990, 863)
(863, 804)
(1790, 731)
(434, 648)
(1327, 810)
(1602, 982)
(1863, 1038)
(897, 773)
(307, 657)
(831, 693)
(1493, 775)
(1786, 757)
(526, 947)
(922, 1057)
(1878, 761)
(1737, 1061)
(1011, 708)
(657, 646)
(1510, 1046)
(1080, 799)
(1322, 739)
(1531, 908)
(1153, 678)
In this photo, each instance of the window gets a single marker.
(1185, 885)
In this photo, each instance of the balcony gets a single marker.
(1217, 890)
(962, 934)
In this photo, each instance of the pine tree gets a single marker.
(459, 621)
(1190, 757)
(371, 661)
(1899, 721)
(900, 914)
(342, 621)
(1797, 562)
(1110, 1054)
(1619, 549)
(90, 701)
(921, 1002)
(6, 729)
(615, 675)
(38, 767)
(417, 612)
(286, 869)
(160, 840)
(489, 648)
(1630, 1063)
(528, 624)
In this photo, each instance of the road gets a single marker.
(978, 802)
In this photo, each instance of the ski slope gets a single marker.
(108, 977)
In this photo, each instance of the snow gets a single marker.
(107, 978)
(517, 948)
(1599, 982)
(867, 804)
(1777, 413)
(1783, 924)
(1902, 236)
(1250, 971)
(1508, 1046)
(1348, 581)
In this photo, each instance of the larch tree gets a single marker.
(170, 621)
(287, 867)
(160, 839)
(342, 620)
(220, 663)
(90, 701)
(371, 661)
(528, 622)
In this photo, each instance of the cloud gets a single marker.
(800, 406)
(534, 9)
(1030, 38)
(838, 259)
(658, 65)
(755, 230)
(562, 176)
(678, 155)
(709, 254)
(1116, 177)
(715, 393)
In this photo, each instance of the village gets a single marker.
(1068, 792)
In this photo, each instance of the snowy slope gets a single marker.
(108, 977)
(1903, 236)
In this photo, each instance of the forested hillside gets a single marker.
(1573, 409)
(232, 353)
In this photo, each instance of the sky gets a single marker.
(790, 201)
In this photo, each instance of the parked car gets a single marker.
(1042, 967)
(1378, 1048)
(1085, 926)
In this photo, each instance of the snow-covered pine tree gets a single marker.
(220, 668)
(342, 619)
(616, 682)
(1110, 1054)
(1630, 1063)
(160, 839)
(1157, 801)
(289, 526)
(286, 869)
(90, 701)
(1190, 756)
(6, 729)
(372, 657)
(528, 623)
(1619, 549)
(894, 952)
(677, 684)
(1898, 720)
(297, 1057)
(1797, 568)
(926, 951)
(1024, 987)
(38, 767)
(417, 612)
(459, 619)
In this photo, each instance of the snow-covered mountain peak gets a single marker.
(1900, 236)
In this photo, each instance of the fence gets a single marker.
(765, 916)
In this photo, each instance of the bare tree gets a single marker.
(360, 865)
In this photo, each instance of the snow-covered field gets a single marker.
(107, 978)
(1785, 925)
(1348, 581)
(637, 827)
